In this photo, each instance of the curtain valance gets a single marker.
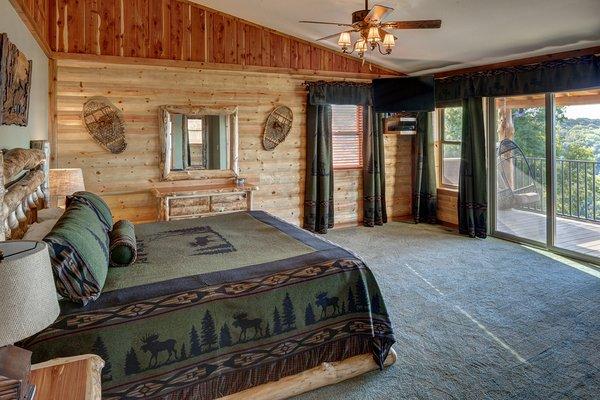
(550, 76)
(345, 93)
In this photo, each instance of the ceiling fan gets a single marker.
(373, 30)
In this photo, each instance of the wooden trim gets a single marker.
(324, 375)
(448, 190)
(522, 61)
(154, 62)
(52, 109)
(30, 24)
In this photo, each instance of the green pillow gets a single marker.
(79, 250)
(123, 247)
(96, 202)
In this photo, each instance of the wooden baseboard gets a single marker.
(324, 375)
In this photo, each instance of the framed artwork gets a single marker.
(401, 124)
(15, 84)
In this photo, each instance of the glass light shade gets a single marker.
(373, 35)
(360, 46)
(344, 39)
(388, 40)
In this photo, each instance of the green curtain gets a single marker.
(425, 197)
(373, 169)
(549, 76)
(318, 194)
(472, 187)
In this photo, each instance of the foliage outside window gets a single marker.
(347, 133)
(450, 138)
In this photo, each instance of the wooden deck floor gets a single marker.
(575, 235)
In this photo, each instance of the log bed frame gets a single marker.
(23, 187)
(24, 191)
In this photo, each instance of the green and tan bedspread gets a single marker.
(217, 305)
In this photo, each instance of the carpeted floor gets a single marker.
(476, 319)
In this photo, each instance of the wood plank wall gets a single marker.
(185, 31)
(125, 180)
(36, 15)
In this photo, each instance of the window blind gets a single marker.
(347, 130)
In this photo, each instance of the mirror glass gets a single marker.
(199, 142)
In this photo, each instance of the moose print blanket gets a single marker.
(217, 305)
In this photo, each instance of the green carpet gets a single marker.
(476, 319)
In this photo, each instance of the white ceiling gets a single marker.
(474, 32)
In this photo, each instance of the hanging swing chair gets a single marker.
(516, 184)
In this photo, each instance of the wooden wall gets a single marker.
(124, 180)
(181, 30)
(36, 15)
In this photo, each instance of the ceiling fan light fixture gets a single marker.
(344, 41)
(373, 35)
(360, 46)
(388, 43)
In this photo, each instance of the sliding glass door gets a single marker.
(577, 188)
(545, 171)
(520, 167)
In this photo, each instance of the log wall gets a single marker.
(124, 180)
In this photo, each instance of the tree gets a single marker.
(343, 310)
(268, 330)
(100, 349)
(182, 352)
(362, 297)
(225, 336)
(351, 301)
(309, 315)
(195, 348)
(209, 335)
(132, 364)
(289, 316)
(276, 322)
(376, 304)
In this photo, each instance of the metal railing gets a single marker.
(577, 187)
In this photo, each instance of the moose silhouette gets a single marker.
(325, 302)
(152, 345)
(243, 323)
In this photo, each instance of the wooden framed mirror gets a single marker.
(198, 142)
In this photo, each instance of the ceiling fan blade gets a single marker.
(377, 13)
(334, 35)
(324, 23)
(422, 24)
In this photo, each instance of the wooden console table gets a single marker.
(72, 378)
(168, 195)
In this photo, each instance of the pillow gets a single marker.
(96, 202)
(38, 231)
(78, 247)
(123, 248)
(49, 213)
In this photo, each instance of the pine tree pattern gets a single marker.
(362, 297)
(100, 349)
(276, 322)
(351, 301)
(268, 330)
(376, 304)
(309, 315)
(225, 336)
(182, 352)
(209, 335)
(289, 316)
(195, 348)
(132, 364)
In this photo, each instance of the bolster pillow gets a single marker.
(123, 248)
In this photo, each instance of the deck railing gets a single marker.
(577, 187)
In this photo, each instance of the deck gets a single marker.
(575, 235)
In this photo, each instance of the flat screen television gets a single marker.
(405, 94)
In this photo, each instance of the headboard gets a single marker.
(23, 187)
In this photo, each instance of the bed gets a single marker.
(221, 305)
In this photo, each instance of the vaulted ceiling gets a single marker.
(474, 32)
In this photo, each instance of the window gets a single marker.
(450, 137)
(347, 129)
